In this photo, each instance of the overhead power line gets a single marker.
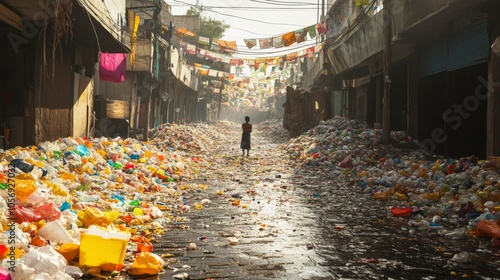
(243, 18)
(284, 3)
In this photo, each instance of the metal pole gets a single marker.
(148, 114)
(386, 118)
(154, 69)
(322, 18)
(220, 99)
(169, 68)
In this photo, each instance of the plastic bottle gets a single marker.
(28, 168)
(455, 234)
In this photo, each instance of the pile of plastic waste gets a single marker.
(453, 197)
(63, 202)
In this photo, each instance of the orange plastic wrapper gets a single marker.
(25, 186)
(69, 251)
(488, 229)
(146, 264)
(38, 241)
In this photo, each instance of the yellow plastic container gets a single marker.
(98, 246)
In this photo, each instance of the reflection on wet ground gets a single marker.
(272, 219)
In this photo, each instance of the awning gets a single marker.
(87, 14)
(183, 31)
(355, 49)
(90, 14)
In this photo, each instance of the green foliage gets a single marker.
(209, 27)
(212, 28)
(197, 9)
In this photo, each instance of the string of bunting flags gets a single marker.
(228, 47)
(252, 62)
(283, 40)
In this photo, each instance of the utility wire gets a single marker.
(284, 3)
(244, 18)
(253, 8)
(255, 20)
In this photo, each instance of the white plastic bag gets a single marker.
(44, 260)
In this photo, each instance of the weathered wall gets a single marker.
(82, 105)
(53, 96)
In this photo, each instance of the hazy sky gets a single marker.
(254, 19)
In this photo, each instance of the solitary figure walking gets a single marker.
(245, 137)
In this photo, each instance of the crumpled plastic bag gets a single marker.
(146, 264)
(21, 270)
(25, 186)
(488, 228)
(26, 215)
(93, 216)
(48, 212)
(44, 260)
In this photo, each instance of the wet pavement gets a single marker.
(267, 217)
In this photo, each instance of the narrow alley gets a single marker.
(270, 217)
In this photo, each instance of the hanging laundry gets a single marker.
(300, 35)
(112, 67)
(250, 43)
(289, 38)
(312, 31)
(265, 43)
(278, 41)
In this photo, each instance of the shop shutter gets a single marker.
(433, 59)
(468, 46)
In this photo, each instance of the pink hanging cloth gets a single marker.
(112, 67)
